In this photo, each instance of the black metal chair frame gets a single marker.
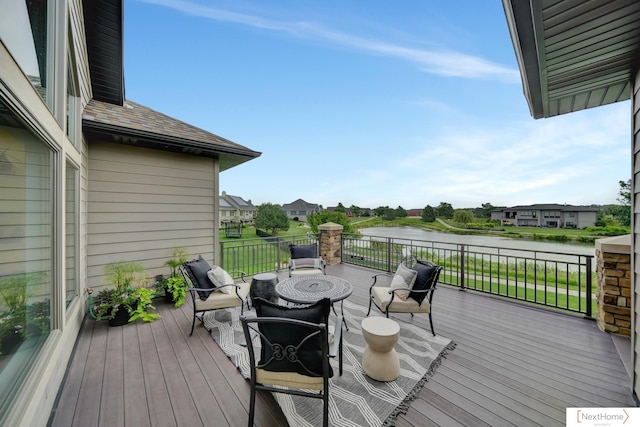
(193, 291)
(250, 327)
(323, 263)
(428, 291)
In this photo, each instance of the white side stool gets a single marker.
(380, 359)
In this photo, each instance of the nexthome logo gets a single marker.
(602, 417)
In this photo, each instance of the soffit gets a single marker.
(574, 54)
(103, 21)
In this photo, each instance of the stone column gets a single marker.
(331, 242)
(613, 257)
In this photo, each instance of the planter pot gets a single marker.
(121, 317)
(10, 343)
(169, 296)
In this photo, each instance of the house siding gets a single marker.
(143, 203)
(635, 221)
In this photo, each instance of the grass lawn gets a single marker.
(249, 232)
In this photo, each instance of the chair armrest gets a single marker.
(242, 274)
(400, 289)
(375, 278)
(337, 337)
(423, 291)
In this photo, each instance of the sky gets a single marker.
(366, 103)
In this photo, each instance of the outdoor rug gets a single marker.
(355, 399)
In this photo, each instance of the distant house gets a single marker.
(414, 212)
(300, 209)
(236, 209)
(547, 215)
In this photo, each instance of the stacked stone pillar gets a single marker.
(614, 284)
(331, 242)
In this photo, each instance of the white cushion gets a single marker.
(223, 300)
(404, 278)
(219, 277)
(382, 297)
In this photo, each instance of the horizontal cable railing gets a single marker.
(559, 280)
(259, 255)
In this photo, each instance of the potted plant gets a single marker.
(174, 286)
(128, 300)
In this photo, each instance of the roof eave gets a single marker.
(520, 20)
(228, 156)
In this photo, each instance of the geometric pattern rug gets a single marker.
(355, 400)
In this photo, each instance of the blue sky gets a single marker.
(366, 103)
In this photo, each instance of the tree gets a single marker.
(388, 214)
(400, 212)
(355, 210)
(463, 216)
(444, 210)
(428, 215)
(340, 208)
(323, 217)
(484, 211)
(380, 210)
(623, 214)
(625, 192)
(271, 218)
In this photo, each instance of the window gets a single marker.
(26, 234)
(72, 124)
(24, 31)
(71, 221)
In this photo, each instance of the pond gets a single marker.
(495, 241)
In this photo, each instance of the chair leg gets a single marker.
(193, 323)
(325, 409)
(252, 405)
(370, 300)
(340, 357)
(431, 323)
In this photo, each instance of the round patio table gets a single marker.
(310, 289)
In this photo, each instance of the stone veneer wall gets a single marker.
(331, 242)
(614, 284)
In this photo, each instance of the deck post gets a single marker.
(461, 273)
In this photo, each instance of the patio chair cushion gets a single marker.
(218, 300)
(303, 251)
(289, 379)
(198, 269)
(219, 277)
(424, 280)
(306, 262)
(310, 355)
(404, 278)
(382, 297)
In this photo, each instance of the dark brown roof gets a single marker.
(135, 124)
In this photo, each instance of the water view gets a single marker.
(412, 233)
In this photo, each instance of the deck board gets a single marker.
(515, 364)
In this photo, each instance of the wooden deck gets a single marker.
(513, 365)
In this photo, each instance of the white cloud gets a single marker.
(443, 62)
